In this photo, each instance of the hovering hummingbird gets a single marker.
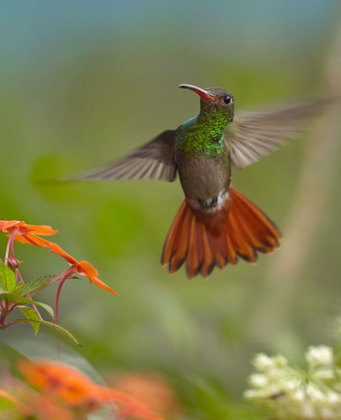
(215, 224)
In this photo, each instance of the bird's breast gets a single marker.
(205, 181)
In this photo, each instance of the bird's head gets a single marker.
(214, 100)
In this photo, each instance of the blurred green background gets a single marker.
(85, 82)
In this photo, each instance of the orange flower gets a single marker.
(61, 381)
(129, 406)
(82, 267)
(150, 388)
(46, 407)
(78, 391)
(26, 234)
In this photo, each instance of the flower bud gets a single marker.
(319, 356)
(13, 263)
(258, 380)
(262, 362)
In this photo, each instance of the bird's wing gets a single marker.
(155, 160)
(257, 134)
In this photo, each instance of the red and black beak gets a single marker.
(201, 92)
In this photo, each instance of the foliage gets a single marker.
(15, 293)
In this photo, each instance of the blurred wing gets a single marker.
(257, 134)
(155, 160)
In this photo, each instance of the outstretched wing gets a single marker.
(257, 134)
(155, 160)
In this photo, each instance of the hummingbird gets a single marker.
(216, 224)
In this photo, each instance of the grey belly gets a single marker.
(205, 181)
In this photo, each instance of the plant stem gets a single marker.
(7, 251)
(2, 318)
(4, 313)
(69, 271)
(10, 244)
(66, 275)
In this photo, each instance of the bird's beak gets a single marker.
(201, 92)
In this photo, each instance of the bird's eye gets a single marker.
(227, 99)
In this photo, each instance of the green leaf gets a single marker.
(52, 325)
(5, 292)
(34, 285)
(18, 289)
(7, 278)
(31, 316)
(7, 296)
(47, 308)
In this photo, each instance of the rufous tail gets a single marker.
(205, 240)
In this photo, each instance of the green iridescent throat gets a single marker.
(204, 135)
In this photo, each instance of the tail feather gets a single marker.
(209, 251)
(260, 225)
(179, 252)
(221, 251)
(206, 240)
(232, 255)
(169, 251)
(244, 246)
(195, 257)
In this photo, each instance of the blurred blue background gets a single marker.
(85, 82)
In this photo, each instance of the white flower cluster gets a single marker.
(293, 394)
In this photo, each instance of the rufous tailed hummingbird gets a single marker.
(215, 224)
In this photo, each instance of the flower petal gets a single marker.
(5, 224)
(102, 285)
(60, 380)
(56, 249)
(36, 229)
(40, 229)
(86, 269)
(131, 407)
(29, 238)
